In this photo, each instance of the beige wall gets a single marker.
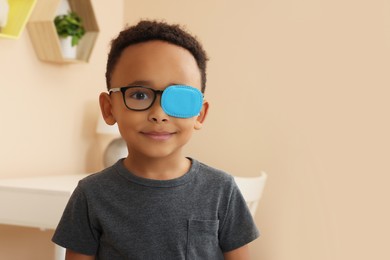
(297, 88)
(300, 89)
(48, 120)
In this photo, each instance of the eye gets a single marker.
(138, 94)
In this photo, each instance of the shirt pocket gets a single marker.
(202, 241)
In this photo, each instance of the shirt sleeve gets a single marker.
(75, 230)
(238, 227)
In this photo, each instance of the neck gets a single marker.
(166, 168)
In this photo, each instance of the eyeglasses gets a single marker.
(177, 100)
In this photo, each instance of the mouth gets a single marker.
(158, 136)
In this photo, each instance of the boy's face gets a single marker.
(157, 65)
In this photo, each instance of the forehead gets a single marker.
(157, 62)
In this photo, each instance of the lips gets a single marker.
(158, 136)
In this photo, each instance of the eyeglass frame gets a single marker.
(125, 88)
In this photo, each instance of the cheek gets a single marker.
(128, 120)
(187, 125)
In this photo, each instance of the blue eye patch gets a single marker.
(182, 101)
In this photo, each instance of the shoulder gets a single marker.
(214, 177)
(99, 179)
(212, 172)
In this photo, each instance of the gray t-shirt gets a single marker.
(117, 215)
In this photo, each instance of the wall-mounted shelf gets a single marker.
(44, 36)
(19, 13)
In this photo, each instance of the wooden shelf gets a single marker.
(19, 13)
(44, 36)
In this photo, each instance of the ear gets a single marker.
(202, 116)
(106, 108)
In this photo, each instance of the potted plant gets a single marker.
(70, 30)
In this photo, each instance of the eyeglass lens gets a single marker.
(139, 98)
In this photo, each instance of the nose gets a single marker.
(156, 113)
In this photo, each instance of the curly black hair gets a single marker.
(148, 30)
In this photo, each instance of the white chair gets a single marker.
(252, 189)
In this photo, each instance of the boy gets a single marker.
(156, 203)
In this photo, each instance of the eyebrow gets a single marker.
(140, 83)
(147, 83)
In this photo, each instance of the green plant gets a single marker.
(70, 25)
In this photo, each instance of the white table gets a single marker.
(37, 201)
